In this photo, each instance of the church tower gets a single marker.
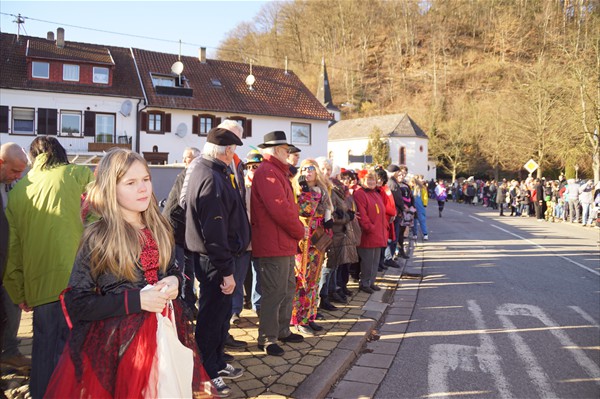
(324, 94)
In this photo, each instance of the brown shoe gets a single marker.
(17, 362)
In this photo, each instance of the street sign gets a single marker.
(531, 166)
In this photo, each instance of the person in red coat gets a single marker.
(390, 213)
(372, 220)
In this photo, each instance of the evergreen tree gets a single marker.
(378, 148)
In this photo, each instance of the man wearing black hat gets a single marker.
(217, 231)
(276, 231)
(402, 198)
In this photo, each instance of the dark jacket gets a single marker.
(175, 213)
(3, 239)
(216, 222)
(395, 188)
(276, 226)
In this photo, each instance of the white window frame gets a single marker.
(18, 111)
(33, 70)
(155, 122)
(161, 80)
(70, 114)
(69, 72)
(96, 74)
(111, 134)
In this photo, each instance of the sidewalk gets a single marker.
(309, 369)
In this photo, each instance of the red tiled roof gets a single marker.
(13, 67)
(82, 52)
(275, 93)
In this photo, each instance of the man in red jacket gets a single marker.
(276, 231)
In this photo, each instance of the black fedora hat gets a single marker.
(273, 139)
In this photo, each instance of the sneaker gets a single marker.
(415, 237)
(425, 237)
(230, 342)
(235, 319)
(293, 338)
(221, 389)
(230, 372)
(17, 362)
(306, 330)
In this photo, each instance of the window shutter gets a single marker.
(89, 124)
(195, 124)
(167, 124)
(217, 121)
(52, 121)
(248, 128)
(41, 121)
(3, 119)
(144, 121)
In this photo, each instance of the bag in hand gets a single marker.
(321, 240)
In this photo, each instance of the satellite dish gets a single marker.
(181, 130)
(177, 68)
(126, 108)
(250, 79)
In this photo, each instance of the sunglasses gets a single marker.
(308, 169)
(253, 166)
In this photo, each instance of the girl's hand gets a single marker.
(152, 300)
(172, 284)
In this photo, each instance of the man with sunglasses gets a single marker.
(276, 231)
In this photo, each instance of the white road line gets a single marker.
(471, 216)
(545, 249)
(489, 361)
(579, 355)
(586, 316)
(537, 375)
(459, 212)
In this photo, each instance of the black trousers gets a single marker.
(214, 311)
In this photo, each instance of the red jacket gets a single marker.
(390, 210)
(276, 226)
(371, 217)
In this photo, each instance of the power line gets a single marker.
(169, 41)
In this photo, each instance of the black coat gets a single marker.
(216, 221)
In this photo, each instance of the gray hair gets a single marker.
(195, 152)
(269, 150)
(214, 150)
(232, 126)
(322, 161)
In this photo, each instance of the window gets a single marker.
(105, 128)
(300, 133)
(163, 81)
(246, 124)
(70, 123)
(40, 70)
(100, 75)
(402, 157)
(154, 122)
(23, 120)
(71, 72)
(201, 124)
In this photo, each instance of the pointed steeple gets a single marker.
(324, 92)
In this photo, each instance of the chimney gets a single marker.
(60, 37)
(50, 36)
(202, 55)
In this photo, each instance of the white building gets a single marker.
(408, 143)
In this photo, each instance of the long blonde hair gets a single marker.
(115, 245)
(320, 181)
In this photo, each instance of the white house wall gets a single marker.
(125, 126)
(261, 125)
(416, 160)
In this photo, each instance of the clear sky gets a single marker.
(195, 23)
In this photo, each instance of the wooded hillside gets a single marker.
(493, 82)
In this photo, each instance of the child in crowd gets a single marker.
(112, 347)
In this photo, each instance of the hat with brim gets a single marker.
(273, 139)
(253, 157)
(294, 149)
(220, 136)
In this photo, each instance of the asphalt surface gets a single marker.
(508, 308)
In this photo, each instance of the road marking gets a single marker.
(579, 355)
(537, 375)
(459, 212)
(444, 358)
(473, 217)
(586, 316)
(545, 249)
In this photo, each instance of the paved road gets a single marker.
(509, 308)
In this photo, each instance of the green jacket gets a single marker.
(43, 213)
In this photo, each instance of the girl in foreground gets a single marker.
(111, 349)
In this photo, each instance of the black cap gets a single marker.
(221, 136)
(273, 139)
(294, 149)
(393, 168)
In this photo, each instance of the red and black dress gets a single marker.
(112, 344)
